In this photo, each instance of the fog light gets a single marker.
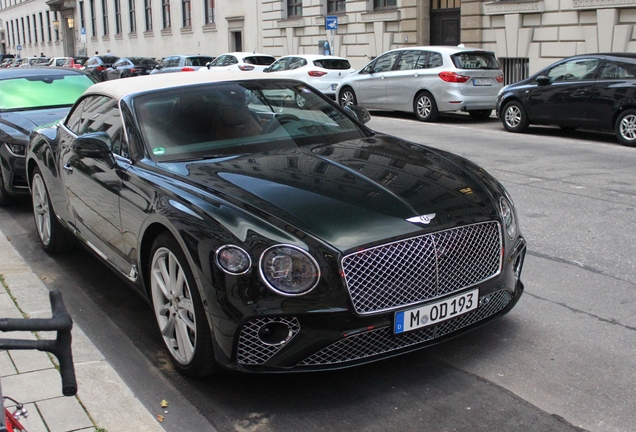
(274, 333)
(233, 260)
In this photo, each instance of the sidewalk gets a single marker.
(103, 402)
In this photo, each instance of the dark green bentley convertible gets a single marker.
(269, 229)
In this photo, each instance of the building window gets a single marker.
(148, 14)
(515, 69)
(384, 4)
(335, 6)
(13, 34)
(105, 14)
(294, 8)
(93, 19)
(82, 15)
(118, 17)
(209, 11)
(41, 27)
(132, 15)
(165, 13)
(186, 10)
(35, 30)
(48, 25)
(23, 30)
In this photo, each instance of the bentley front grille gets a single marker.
(261, 338)
(422, 268)
(383, 340)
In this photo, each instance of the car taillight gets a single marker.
(453, 77)
(187, 69)
(246, 67)
(101, 68)
(316, 74)
(500, 79)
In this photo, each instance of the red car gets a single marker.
(75, 62)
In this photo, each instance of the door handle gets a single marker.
(68, 168)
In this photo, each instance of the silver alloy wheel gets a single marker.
(41, 209)
(424, 106)
(513, 116)
(347, 98)
(172, 302)
(628, 127)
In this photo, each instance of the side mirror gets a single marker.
(359, 113)
(96, 145)
(543, 80)
(207, 65)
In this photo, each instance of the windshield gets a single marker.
(243, 117)
(42, 91)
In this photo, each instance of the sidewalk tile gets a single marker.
(29, 360)
(33, 386)
(63, 414)
(6, 365)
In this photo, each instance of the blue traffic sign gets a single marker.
(83, 30)
(19, 47)
(331, 22)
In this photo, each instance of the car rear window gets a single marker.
(475, 60)
(259, 60)
(332, 64)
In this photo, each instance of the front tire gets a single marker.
(178, 309)
(626, 128)
(347, 97)
(514, 117)
(53, 236)
(425, 107)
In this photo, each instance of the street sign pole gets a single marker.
(331, 23)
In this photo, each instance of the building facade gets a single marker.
(523, 34)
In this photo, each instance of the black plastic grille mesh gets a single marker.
(251, 350)
(422, 268)
(383, 340)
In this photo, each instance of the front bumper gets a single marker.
(13, 173)
(325, 341)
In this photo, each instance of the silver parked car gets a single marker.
(181, 63)
(427, 80)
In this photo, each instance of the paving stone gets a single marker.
(33, 386)
(6, 365)
(29, 360)
(63, 414)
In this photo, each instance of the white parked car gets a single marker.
(244, 61)
(319, 71)
(427, 80)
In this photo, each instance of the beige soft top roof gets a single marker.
(125, 86)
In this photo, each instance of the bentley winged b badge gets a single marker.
(425, 219)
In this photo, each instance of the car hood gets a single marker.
(352, 194)
(21, 123)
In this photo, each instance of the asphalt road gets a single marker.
(563, 360)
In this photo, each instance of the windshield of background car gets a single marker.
(197, 122)
(43, 91)
(475, 60)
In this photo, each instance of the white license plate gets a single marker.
(437, 312)
(482, 82)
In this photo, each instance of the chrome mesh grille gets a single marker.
(422, 268)
(251, 350)
(383, 340)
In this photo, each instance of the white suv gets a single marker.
(427, 80)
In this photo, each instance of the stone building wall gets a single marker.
(548, 30)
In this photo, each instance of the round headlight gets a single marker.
(289, 270)
(233, 260)
(508, 217)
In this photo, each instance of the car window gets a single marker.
(45, 90)
(385, 62)
(475, 60)
(259, 60)
(297, 62)
(219, 61)
(573, 70)
(334, 64)
(170, 62)
(75, 116)
(408, 60)
(90, 118)
(120, 62)
(612, 70)
(280, 64)
(230, 60)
